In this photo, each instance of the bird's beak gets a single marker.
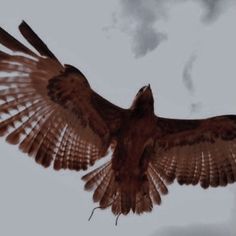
(147, 87)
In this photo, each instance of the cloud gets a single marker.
(213, 8)
(195, 230)
(146, 40)
(187, 73)
(195, 107)
(140, 17)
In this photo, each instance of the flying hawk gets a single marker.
(50, 111)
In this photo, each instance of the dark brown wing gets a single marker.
(48, 109)
(197, 151)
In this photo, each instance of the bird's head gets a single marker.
(144, 100)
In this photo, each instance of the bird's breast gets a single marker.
(134, 138)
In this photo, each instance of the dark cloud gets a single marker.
(146, 40)
(195, 230)
(195, 107)
(213, 8)
(187, 73)
(140, 18)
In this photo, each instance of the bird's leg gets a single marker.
(99, 207)
(117, 218)
(91, 215)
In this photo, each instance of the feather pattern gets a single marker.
(202, 154)
(42, 112)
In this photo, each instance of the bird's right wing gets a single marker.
(196, 151)
(49, 109)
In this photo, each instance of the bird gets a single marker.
(49, 110)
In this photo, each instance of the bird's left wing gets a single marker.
(49, 109)
(196, 151)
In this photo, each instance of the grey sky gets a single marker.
(35, 201)
(195, 230)
(141, 19)
(226, 228)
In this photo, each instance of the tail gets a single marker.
(102, 180)
(122, 194)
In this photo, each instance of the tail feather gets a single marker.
(157, 180)
(108, 195)
(143, 203)
(127, 192)
(102, 180)
(126, 202)
(147, 204)
(153, 191)
(102, 187)
(94, 177)
(116, 206)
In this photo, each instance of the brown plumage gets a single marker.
(50, 111)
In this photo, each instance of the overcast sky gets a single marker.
(184, 48)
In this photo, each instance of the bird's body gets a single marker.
(50, 111)
(133, 146)
(132, 140)
(131, 154)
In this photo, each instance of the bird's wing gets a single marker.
(49, 109)
(196, 151)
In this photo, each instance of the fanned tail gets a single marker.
(135, 193)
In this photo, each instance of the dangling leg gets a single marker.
(117, 218)
(99, 207)
(91, 215)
